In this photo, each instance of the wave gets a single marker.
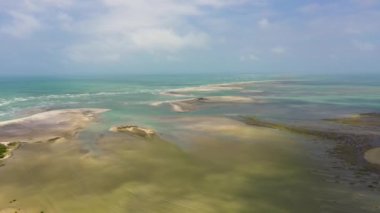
(5, 102)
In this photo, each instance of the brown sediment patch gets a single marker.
(134, 130)
(373, 156)
(364, 119)
(189, 105)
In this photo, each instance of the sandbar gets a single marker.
(47, 126)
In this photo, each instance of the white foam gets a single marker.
(5, 102)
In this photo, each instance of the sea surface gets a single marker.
(202, 161)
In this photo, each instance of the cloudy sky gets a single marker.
(156, 36)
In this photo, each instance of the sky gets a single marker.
(189, 36)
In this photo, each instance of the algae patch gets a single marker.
(3, 151)
(6, 149)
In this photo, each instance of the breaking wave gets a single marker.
(6, 102)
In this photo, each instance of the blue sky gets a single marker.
(157, 36)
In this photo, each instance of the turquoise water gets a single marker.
(130, 96)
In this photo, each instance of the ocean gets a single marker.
(204, 159)
(131, 95)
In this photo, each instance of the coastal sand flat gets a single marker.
(47, 125)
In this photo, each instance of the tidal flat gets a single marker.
(278, 155)
(227, 168)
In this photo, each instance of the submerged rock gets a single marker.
(135, 130)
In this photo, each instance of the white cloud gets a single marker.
(24, 16)
(65, 21)
(366, 3)
(166, 40)
(310, 8)
(222, 3)
(40, 5)
(279, 50)
(263, 23)
(146, 25)
(364, 45)
(96, 51)
(107, 30)
(22, 25)
(249, 57)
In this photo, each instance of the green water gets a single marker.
(196, 165)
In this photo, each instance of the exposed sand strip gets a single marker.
(188, 105)
(47, 126)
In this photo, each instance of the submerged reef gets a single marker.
(351, 146)
(355, 151)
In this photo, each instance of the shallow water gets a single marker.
(200, 162)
